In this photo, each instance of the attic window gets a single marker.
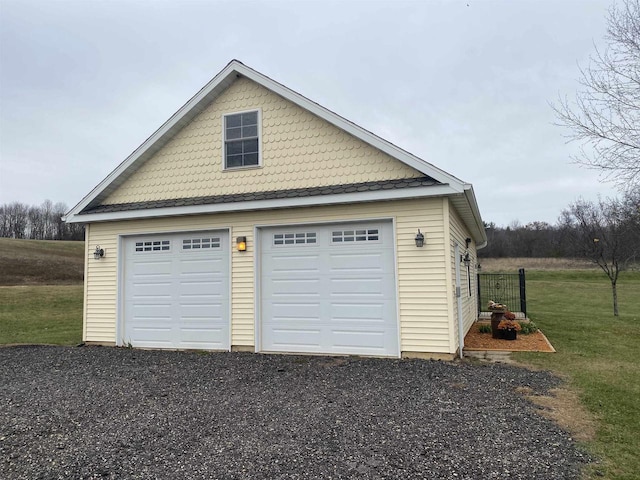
(241, 140)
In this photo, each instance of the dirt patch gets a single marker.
(533, 342)
(41, 262)
(563, 406)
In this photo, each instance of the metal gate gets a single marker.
(506, 288)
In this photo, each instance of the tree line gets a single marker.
(610, 220)
(38, 222)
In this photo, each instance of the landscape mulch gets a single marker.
(117, 413)
(533, 342)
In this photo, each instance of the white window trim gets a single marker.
(224, 141)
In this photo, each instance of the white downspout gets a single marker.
(456, 260)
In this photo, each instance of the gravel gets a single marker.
(98, 412)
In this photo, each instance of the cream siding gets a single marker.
(450, 278)
(424, 313)
(299, 150)
(85, 281)
(469, 296)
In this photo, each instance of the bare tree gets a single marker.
(59, 226)
(16, 219)
(605, 116)
(606, 233)
(48, 218)
(36, 223)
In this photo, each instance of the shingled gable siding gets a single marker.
(425, 326)
(469, 302)
(298, 150)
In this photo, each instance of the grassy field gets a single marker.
(598, 354)
(41, 291)
(41, 314)
(38, 262)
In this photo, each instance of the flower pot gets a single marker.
(510, 334)
(496, 318)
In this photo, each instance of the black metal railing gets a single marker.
(507, 288)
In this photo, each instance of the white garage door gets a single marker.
(329, 289)
(176, 291)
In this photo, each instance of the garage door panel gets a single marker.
(153, 333)
(145, 289)
(357, 262)
(344, 312)
(289, 265)
(200, 266)
(356, 340)
(336, 295)
(295, 311)
(293, 339)
(200, 335)
(152, 269)
(360, 287)
(291, 286)
(177, 297)
(191, 288)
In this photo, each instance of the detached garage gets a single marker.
(257, 220)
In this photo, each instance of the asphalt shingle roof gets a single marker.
(268, 195)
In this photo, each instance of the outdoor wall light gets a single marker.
(98, 252)
(419, 239)
(241, 243)
(466, 260)
(467, 241)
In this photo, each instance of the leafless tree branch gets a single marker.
(605, 114)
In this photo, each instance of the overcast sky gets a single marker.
(464, 84)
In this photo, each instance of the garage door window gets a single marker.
(153, 246)
(364, 235)
(300, 238)
(200, 243)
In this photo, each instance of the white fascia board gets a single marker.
(473, 204)
(342, 198)
(467, 203)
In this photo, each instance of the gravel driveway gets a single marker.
(98, 412)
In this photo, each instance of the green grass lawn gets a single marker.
(598, 353)
(41, 314)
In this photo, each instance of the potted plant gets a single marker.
(509, 327)
(497, 311)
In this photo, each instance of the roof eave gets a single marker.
(344, 198)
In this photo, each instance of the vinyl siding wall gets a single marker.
(469, 295)
(424, 310)
(298, 150)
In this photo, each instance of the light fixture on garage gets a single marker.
(466, 260)
(419, 239)
(98, 253)
(241, 243)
